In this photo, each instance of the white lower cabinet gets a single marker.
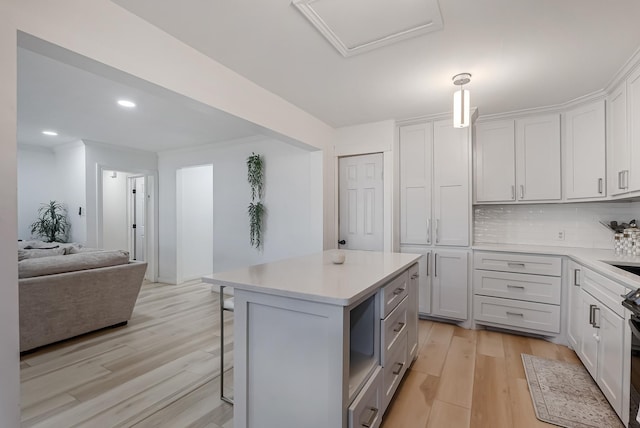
(517, 291)
(574, 319)
(425, 265)
(367, 409)
(597, 332)
(450, 284)
(412, 313)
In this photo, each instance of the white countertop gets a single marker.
(315, 278)
(592, 258)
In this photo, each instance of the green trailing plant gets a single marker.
(255, 175)
(256, 217)
(256, 210)
(52, 223)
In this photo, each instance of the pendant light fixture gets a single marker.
(461, 101)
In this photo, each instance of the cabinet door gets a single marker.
(585, 152)
(610, 355)
(588, 350)
(495, 162)
(538, 158)
(416, 159)
(574, 321)
(618, 141)
(450, 284)
(452, 204)
(633, 116)
(425, 269)
(412, 313)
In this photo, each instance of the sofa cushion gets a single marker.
(79, 249)
(37, 252)
(71, 263)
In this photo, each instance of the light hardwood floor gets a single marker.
(162, 371)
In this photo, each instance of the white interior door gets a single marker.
(361, 203)
(138, 216)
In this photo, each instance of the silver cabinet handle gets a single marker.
(513, 192)
(428, 258)
(428, 231)
(435, 266)
(398, 290)
(522, 191)
(592, 309)
(399, 369)
(512, 264)
(517, 314)
(515, 286)
(594, 316)
(576, 277)
(372, 417)
(437, 230)
(400, 326)
(626, 178)
(620, 180)
(600, 182)
(415, 276)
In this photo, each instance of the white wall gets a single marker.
(9, 346)
(194, 221)
(540, 224)
(37, 175)
(293, 198)
(105, 32)
(71, 187)
(115, 226)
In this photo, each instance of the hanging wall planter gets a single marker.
(256, 210)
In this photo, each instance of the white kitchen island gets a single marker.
(319, 344)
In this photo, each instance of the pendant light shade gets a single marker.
(461, 101)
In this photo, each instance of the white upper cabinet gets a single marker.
(618, 141)
(495, 173)
(538, 158)
(584, 152)
(416, 159)
(632, 180)
(623, 120)
(451, 184)
(434, 169)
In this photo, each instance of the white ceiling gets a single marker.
(80, 104)
(521, 53)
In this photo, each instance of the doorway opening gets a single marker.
(127, 216)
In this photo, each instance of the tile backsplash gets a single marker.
(541, 224)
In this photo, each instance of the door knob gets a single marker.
(342, 242)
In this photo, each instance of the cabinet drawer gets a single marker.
(532, 288)
(516, 313)
(393, 327)
(605, 290)
(366, 410)
(395, 368)
(393, 293)
(520, 263)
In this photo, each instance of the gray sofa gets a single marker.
(62, 296)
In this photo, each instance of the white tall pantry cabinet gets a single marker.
(435, 212)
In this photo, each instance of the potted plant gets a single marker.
(52, 223)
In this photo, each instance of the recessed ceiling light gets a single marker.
(51, 133)
(126, 103)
